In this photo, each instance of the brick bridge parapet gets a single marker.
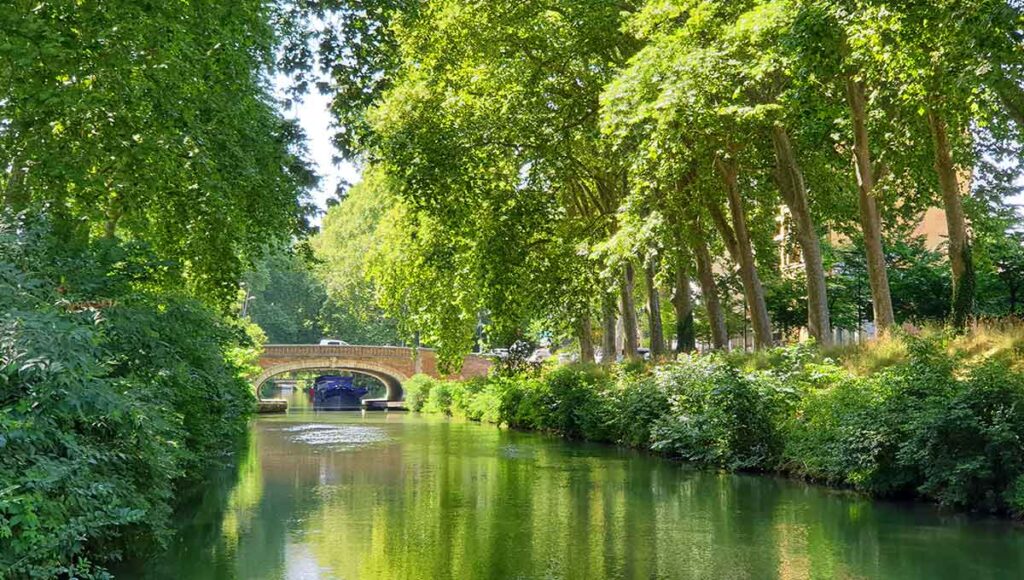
(391, 364)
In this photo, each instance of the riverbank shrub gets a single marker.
(439, 398)
(942, 419)
(716, 416)
(639, 403)
(114, 392)
(416, 390)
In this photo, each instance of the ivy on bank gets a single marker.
(936, 425)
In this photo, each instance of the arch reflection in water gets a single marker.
(400, 496)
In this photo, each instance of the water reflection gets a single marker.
(348, 495)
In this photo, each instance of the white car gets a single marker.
(539, 356)
(333, 342)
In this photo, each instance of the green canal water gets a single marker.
(346, 495)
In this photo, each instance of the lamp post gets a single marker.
(248, 298)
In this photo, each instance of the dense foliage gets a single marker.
(152, 122)
(538, 166)
(938, 421)
(144, 166)
(349, 242)
(112, 393)
(285, 298)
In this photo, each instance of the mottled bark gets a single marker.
(870, 219)
(657, 342)
(682, 301)
(629, 320)
(610, 318)
(725, 230)
(960, 258)
(708, 289)
(586, 336)
(794, 193)
(744, 255)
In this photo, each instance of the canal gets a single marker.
(343, 495)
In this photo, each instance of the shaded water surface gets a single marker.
(342, 495)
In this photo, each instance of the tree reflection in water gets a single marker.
(400, 496)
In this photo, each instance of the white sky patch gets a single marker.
(314, 115)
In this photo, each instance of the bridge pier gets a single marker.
(271, 406)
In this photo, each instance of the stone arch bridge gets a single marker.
(390, 364)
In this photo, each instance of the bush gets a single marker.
(523, 401)
(835, 436)
(940, 422)
(640, 403)
(485, 405)
(576, 404)
(463, 394)
(1014, 497)
(717, 416)
(113, 392)
(965, 443)
(439, 399)
(931, 426)
(417, 390)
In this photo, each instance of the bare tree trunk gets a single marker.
(870, 220)
(794, 194)
(960, 258)
(610, 316)
(629, 321)
(586, 339)
(654, 314)
(708, 289)
(745, 257)
(683, 302)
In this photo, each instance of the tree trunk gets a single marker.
(870, 220)
(629, 320)
(13, 194)
(752, 288)
(586, 339)
(794, 194)
(725, 230)
(683, 302)
(708, 289)
(960, 258)
(657, 343)
(610, 319)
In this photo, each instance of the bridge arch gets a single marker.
(393, 365)
(391, 378)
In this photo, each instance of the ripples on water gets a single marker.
(336, 437)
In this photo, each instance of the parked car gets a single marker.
(497, 354)
(539, 356)
(333, 342)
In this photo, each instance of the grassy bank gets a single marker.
(931, 417)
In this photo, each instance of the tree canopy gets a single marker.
(537, 154)
(151, 122)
